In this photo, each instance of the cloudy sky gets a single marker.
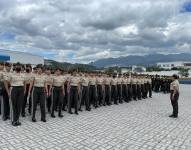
(86, 30)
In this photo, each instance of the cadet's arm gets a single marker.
(68, 86)
(25, 87)
(30, 87)
(79, 88)
(174, 91)
(50, 89)
(46, 88)
(63, 88)
(7, 86)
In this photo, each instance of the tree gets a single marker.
(183, 72)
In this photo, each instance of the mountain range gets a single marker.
(146, 60)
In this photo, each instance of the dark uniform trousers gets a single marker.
(142, 91)
(134, 91)
(25, 101)
(5, 104)
(17, 95)
(114, 94)
(49, 100)
(129, 92)
(1, 96)
(107, 95)
(57, 98)
(39, 96)
(139, 91)
(119, 93)
(85, 97)
(92, 95)
(146, 90)
(174, 102)
(73, 99)
(165, 87)
(150, 89)
(124, 92)
(99, 94)
(66, 97)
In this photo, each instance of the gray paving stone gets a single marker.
(138, 125)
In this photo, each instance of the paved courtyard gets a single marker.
(141, 125)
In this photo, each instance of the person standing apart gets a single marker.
(174, 95)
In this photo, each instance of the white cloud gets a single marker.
(84, 30)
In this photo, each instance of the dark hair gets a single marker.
(58, 69)
(7, 64)
(39, 66)
(28, 66)
(175, 76)
(18, 64)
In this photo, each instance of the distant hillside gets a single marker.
(70, 67)
(146, 60)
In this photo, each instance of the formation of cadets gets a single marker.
(161, 83)
(23, 88)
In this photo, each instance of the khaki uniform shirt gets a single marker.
(58, 81)
(85, 81)
(74, 81)
(175, 84)
(100, 80)
(128, 80)
(138, 81)
(39, 80)
(107, 81)
(123, 81)
(133, 80)
(93, 81)
(119, 80)
(114, 81)
(15, 79)
(29, 77)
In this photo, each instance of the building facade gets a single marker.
(178, 64)
(22, 57)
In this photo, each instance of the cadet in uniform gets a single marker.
(5, 101)
(100, 87)
(74, 84)
(129, 89)
(124, 89)
(85, 92)
(1, 84)
(92, 90)
(114, 90)
(16, 92)
(38, 94)
(119, 89)
(174, 96)
(142, 88)
(49, 82)
(139, 88)
(58, 92)
(149, 82)
(107, 90)
(134, 87)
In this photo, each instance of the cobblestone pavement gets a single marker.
(141, 125)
